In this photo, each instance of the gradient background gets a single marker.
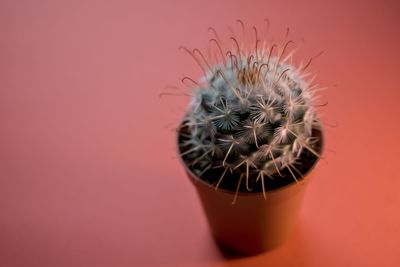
(88, 171)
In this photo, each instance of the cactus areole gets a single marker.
(251, 125)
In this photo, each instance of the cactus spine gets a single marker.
(251, 118)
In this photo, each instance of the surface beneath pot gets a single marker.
(88, 169)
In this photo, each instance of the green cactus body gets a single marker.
(251, 123)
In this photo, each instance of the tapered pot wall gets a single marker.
(252, 225)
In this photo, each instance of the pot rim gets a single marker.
(197, 179)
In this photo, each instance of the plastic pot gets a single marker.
(253, 224)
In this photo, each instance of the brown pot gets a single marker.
(253, 224)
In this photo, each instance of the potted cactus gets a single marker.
(249, 140)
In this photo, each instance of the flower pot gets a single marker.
(253, 224)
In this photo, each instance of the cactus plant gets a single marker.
(251, 124)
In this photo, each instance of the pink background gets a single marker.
(88, 171)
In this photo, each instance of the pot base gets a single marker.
(253, 224)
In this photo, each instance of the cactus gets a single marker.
(251, 122)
